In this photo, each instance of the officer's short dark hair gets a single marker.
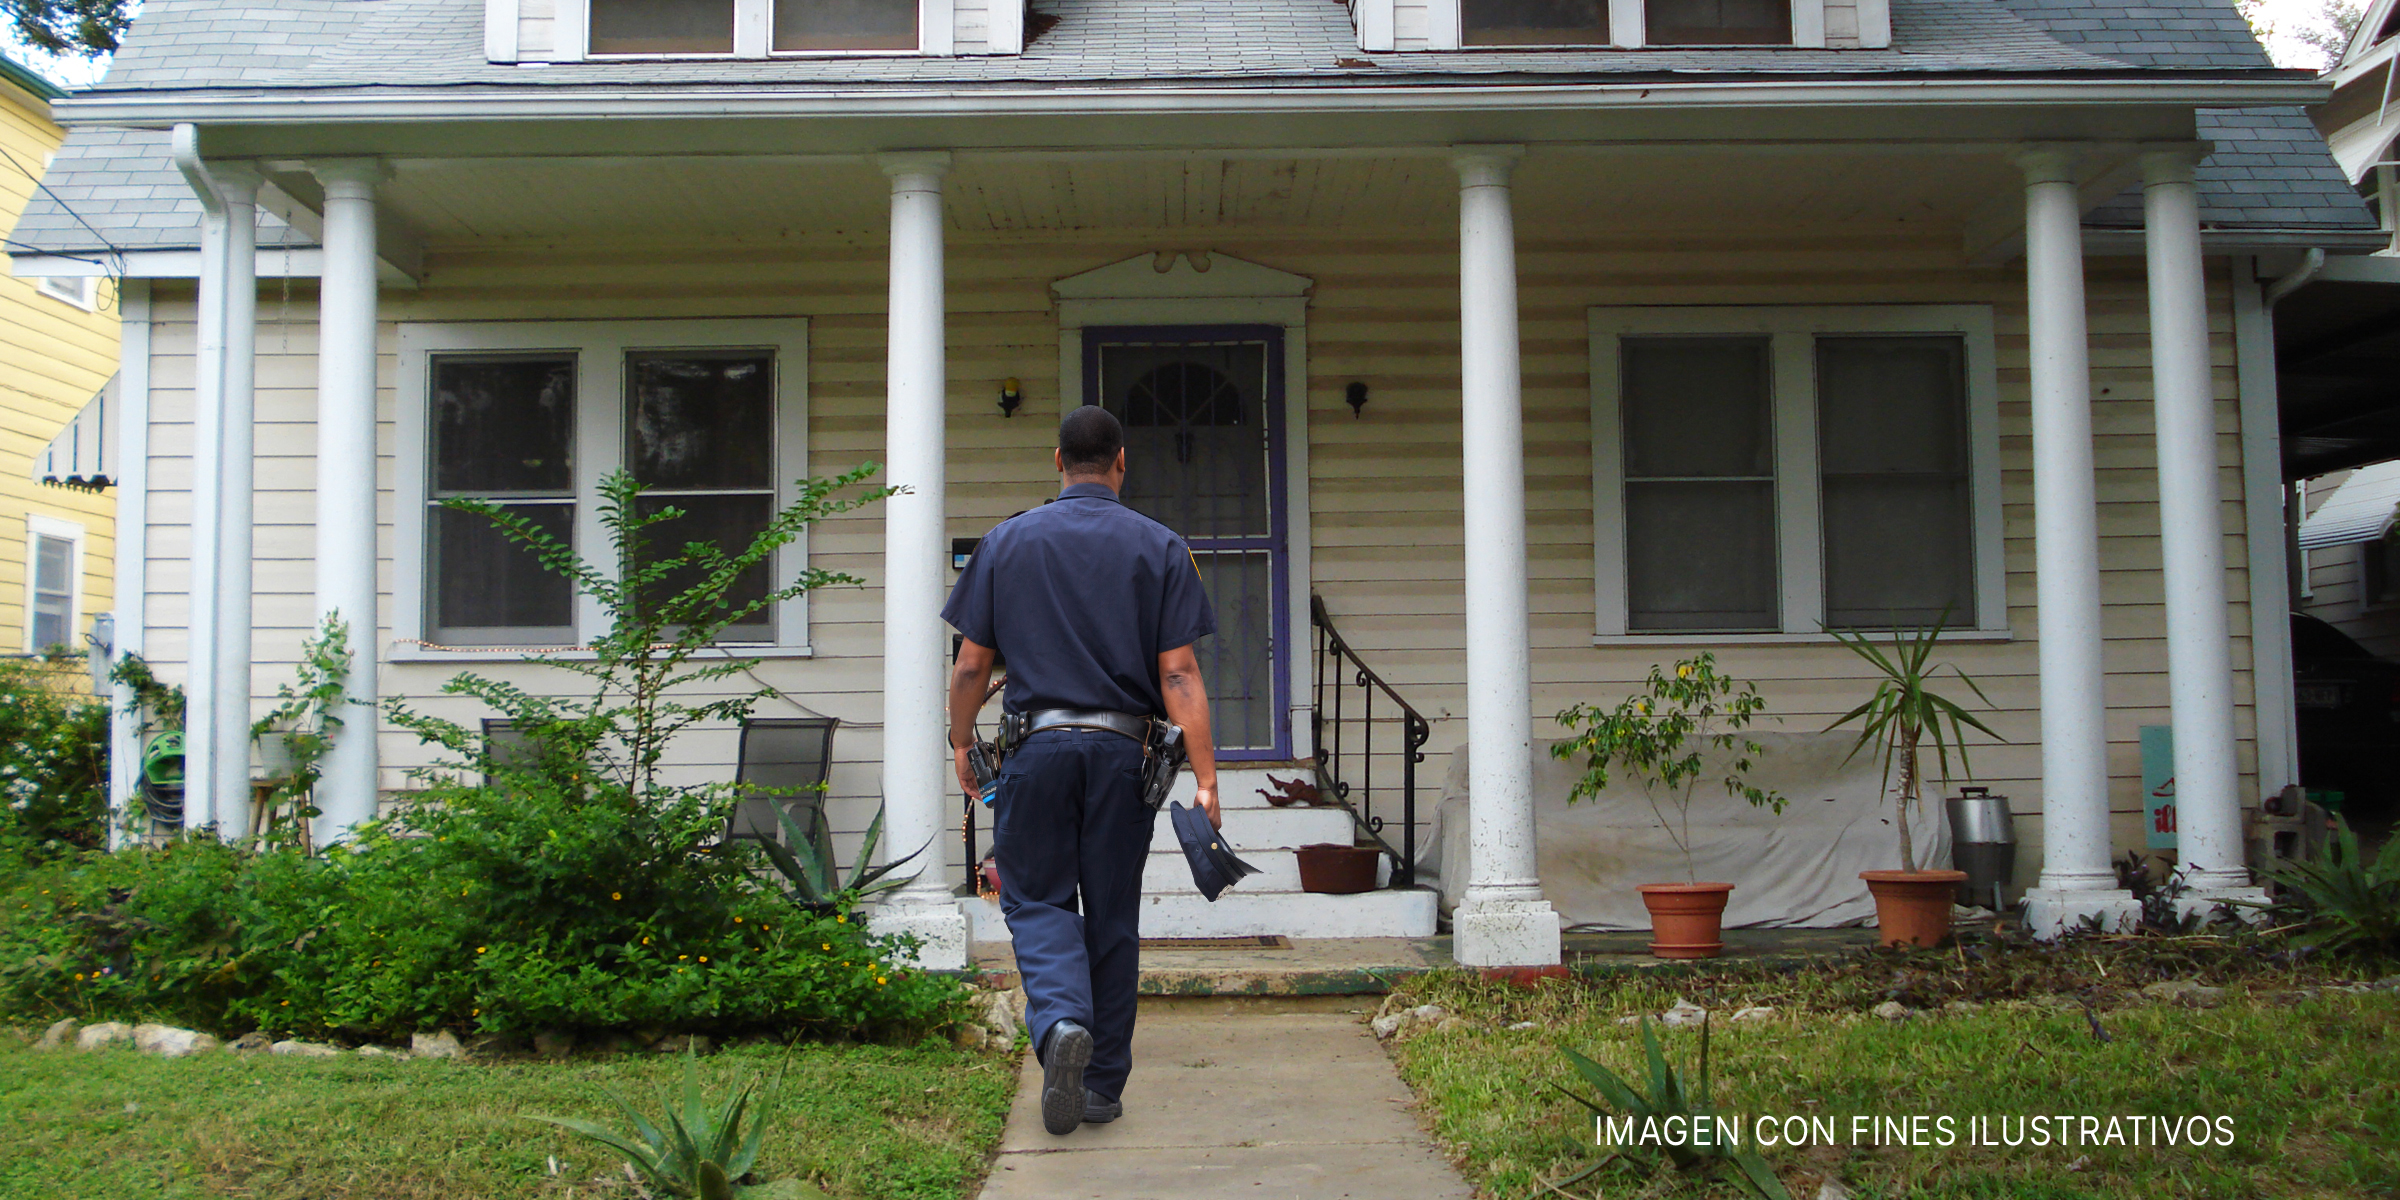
(1089, 439)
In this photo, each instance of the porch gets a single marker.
(1480, 590)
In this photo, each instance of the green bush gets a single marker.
(499, 913)
(53, 760)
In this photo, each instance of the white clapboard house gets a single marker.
(1488, 351)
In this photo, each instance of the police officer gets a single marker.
(1095, 608)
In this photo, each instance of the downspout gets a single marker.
(2310, 264)
(200, 771)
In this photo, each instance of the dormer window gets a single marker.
(662, 26)
(846, 24)
(532, 31)
(1533, 22)
(1718, 23)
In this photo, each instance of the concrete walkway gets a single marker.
(1229, 1103)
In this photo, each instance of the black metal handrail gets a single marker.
(1340, 676)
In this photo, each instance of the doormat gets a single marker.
(1262, 941)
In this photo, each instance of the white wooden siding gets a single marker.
(1384, 488)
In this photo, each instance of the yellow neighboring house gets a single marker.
(58, 350)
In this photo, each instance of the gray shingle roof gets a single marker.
(2271, 171)
(278, 44)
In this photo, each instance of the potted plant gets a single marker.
(1659, 736)
(1911, 905)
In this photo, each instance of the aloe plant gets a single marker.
(1905, 712)
(693, 1152)
(1668, 1096)
(815, 879)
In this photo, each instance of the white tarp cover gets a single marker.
(2359, 510)
(1799, 869)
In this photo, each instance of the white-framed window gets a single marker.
(2379, 572)
(753, 28)
(1623, 24)
(53, 583)
(1765, 473)
(82, 291)
(711, 414)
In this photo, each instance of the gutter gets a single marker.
(2310, 264)
(495, 104)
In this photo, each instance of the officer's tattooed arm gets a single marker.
(970, 683)
(1187, 705)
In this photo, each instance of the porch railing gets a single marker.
(1358, 720)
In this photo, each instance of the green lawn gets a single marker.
(2312, 1085)
(865, 1122)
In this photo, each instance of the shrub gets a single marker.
(53, 760)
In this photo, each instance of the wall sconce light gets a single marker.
(1356, 394)
(1012, 394)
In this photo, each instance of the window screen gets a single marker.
(1892, 445)
(662, 26)
(1699, 450)
(846, 25)
(1717, 22)
(53, 592)
(503, 430)
(700, 434)
(1534, 22)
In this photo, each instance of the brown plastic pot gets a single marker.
(1687, 920)
(1912, 908)
(1336, 869)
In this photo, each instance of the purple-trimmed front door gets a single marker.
(1203, 414)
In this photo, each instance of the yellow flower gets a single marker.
(79, 977)
(476, 1013)
(703, 958)
(681, 957)
(737, 920)
(481, 949)
(616, 895)
(829, 945)
(1683, 671)
(841, 918)
(645, 941)
(287, 1004)
(766, 927)
(879, 981)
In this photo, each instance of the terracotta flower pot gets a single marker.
(1913, 907)
(1686, 919)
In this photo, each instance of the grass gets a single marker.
(864, 1122)
(2310, 1078)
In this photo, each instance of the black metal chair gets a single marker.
(784, 762)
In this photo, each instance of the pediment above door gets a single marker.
(1182, 275)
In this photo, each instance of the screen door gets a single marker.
(1204, 456)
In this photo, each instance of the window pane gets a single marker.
(1718, 22)
(1892, 440)
(1195, 434)
(1701, 556)
(1697, 407)
(846, 24)
(484, 581)
(699, 420)
(53, 591)
(503, 425)
(729, 522)
(1236, 662)
(1534, 22)
(662, 26)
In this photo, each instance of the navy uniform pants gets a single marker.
(1071, 835)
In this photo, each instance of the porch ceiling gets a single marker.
(1604, 191)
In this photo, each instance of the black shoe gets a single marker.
(1099, 1109)
(1069, 1051)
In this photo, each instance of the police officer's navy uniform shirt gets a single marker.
(1081, 596)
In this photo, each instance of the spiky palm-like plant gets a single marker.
(1905, 713)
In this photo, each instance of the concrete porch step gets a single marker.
(1249, 829)
(1386, 912)
(1308, 967)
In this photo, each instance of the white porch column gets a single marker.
(2208, 810)
(2077, 879)
(217, 718)
(1502, 920)
(916, 771)
(346, 555)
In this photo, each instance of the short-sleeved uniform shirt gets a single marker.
(1081, 596)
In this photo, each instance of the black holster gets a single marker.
(1163, 755)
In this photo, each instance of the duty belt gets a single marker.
(1137, 728)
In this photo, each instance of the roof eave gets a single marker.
(555, 102)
